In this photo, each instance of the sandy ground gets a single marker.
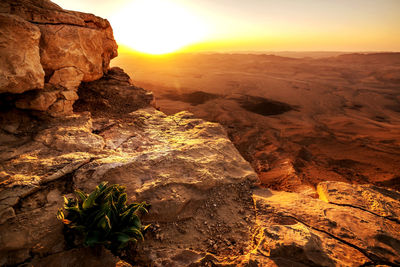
(299, 121)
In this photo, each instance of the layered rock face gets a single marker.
(47, 52)
(206, 209)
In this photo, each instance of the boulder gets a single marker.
(20, 68)
(68, 38)
(46, 46)
(83, 48)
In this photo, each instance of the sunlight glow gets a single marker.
(156, 26)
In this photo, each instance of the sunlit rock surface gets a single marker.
(20, 68)
(342, 235)
(173, 162)
(51, 51)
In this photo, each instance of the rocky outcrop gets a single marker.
(20, 68)
(51, 51)
(113, 95)
(183, 166)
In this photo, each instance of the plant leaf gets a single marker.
(89, 201)
(60, 214)
(81, 194)
(104, 217)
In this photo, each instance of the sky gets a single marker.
(250, 25)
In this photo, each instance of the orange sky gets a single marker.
(252, 25)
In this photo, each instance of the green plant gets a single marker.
(104, 218)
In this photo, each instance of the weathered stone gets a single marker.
(380, 201)
(6, 213)
(71, 139)
(183, 166)
(69, 77)
(34, 229)
(73, 47)
(173, 157)
(281, 238)
(43, 11)
(70, 95)
(375, 237)
(63, 46)
(37, 100)
(20, 68)
(113, 95)
(61, 107)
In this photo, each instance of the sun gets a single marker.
(156, 26)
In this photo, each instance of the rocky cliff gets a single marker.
(68, 122)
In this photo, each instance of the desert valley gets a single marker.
(299, 121)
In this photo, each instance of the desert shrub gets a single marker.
(103, 217)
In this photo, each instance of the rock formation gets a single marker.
(206, 210)
(49, 51)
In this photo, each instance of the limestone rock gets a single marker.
(61, 107)
(43, 11)
(346, 228)
(63, 46)
(20, 68)
(180, 158)
(37, 100)
(55, 100)
(69, 38)
(70, 139)
(186, 168)
(41, 40)
(292, 243)
(113, 95)
(69, 77)
(380, 201)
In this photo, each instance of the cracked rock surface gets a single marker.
(185, 167)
